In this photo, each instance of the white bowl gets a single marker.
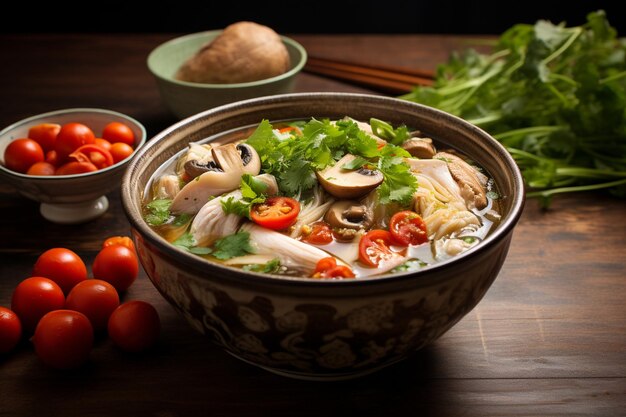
(77, 198)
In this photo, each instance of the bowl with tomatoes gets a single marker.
(68, 160)
(341, 319)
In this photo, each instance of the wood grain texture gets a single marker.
(549, 339)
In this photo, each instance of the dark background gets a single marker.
(322, 16)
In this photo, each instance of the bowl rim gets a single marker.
(291, 72)
(428, 275)
(53, 113)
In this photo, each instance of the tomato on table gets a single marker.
(119, 240)
(134, 326)
(10, 330)
(408, 228)
(275, 213)
(41, 168)
(96, 299)
(93, 153)
(71, 137)
(117, 265)
(21, 154)
(63, 339)
(321, 234)
(34, 297)
(62, 266)
(45, 134)
(116, 132)
(328, 268)
(120, 151)
(375, 247)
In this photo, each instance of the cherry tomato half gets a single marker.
(21, 154)
(119, 240)
(134, 326)
(10, 330)
(291, 129)
(374, 247)
(93, 153)
(34, 297)
(116, 132)
(71, 137)
(321, 234)
(408, 228)
(63, 339)
(96, 299)
(120, 151)
(75, 168)
(45, 135)
(41, 168)
(116, 265)
(62, 266)
(328, 268)
(275, 213)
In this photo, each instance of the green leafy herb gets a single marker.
(386, 131)
(158, 212)
(270, 267)
(231, 205)
(295, 159)
(252, 192)
(231, 246)
(554, 96)
(188, 243)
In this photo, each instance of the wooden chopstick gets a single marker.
(385, 78)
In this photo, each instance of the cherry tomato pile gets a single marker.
(62, 309)
(52, 149)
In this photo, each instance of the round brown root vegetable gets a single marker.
(243, 52)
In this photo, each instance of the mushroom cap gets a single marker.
(422, 148)
(345, 183)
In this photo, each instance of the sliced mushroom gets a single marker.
(196, 152)
(349, 214)
(345, 183)
(422, 148)
(224, 177)
(470, 181)
(250, 158)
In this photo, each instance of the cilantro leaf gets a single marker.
(356, 163)
(231, 246)
(269, 267)
(187, 242)
(158, 212)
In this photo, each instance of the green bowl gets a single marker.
(187, 98)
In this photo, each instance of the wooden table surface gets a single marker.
(549, 338)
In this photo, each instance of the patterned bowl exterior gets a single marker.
(316, 329)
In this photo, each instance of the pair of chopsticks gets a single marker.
(384, 78)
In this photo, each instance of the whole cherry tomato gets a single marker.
(63, 339)
(134, 326)
(96, 299)
(408, 228)
(70, 137)
(62, 266)
(116, 265)
(33, 298)
(52, 157)
(116, 132)
(21, 154)
(45, 135)
(120, 151)
(75, 168)
(41, 168)
(119, 240)
(10, 330)
(103, 143)
(276, 213)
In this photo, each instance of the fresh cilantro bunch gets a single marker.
(555, 96)
(293, 159)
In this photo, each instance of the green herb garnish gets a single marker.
(231, 246)
(158, 212)
(270, 267)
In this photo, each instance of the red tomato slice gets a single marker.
(408, 228)
(275, 213)
(328, 268)
(321, 234)
(374, 247)
(291, 129)
(95, 154)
